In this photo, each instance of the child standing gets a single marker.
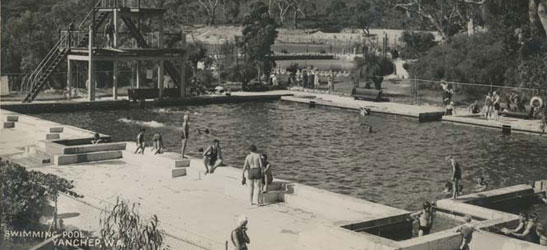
(466, 230)
(140, 142)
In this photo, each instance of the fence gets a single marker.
(431, 92)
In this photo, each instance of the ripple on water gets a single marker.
(330, 149)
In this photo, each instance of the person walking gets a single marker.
(456, 175)
(254, 167)
(185, 134)
(239, 236)
(140, 141)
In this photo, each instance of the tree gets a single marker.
(283, 7)
(373, 68)
(124, 225)
(416, 44)
(337, 12)
(231, 8)
(364, 15)
(210, 7)
(258, 35)
(301, 7)
(448, 17)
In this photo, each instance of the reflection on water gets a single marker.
(402, 164)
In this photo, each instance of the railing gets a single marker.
(151, 38)
(52, 54)
(45, 61)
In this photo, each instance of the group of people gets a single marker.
(529, 229)
(157, 143)
(310, 78)
(425, 219)
(257, 172)
(492, 105)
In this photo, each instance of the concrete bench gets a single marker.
(12, 118)
(86, 157)
(52, 136)
(56, 130)
(368, 95)
(179, 168)
(9, 124)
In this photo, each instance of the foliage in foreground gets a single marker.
(124, 225)
(25, 194)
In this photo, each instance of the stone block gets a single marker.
(56, 130)
(12, 118)
(182, 163)
(52, 136)
(9, 124)
(87, 157)
(178, 172)
(94, 148)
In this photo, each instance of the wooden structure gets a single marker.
(81, 44)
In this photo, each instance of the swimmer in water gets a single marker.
(424, 218)
(364, 111)
(481, 184)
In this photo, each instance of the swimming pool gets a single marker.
(400, 164)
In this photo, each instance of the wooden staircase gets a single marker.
(39, 77)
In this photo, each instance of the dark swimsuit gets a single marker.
(213, 156)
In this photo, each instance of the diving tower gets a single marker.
(123, 41)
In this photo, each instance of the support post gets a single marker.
(183, 67)
(138, 80)
(115, 80)
(116, 27)
(161, 62)
(69, 79)
(91, 67)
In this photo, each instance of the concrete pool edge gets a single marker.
(441, 240)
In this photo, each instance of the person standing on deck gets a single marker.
(185, 134)
(239, 236)
(268, 177)
(158, 144)
(254, 167)
(109, 34)
(456, 175)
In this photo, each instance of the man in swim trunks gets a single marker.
(185, 134)
(456, 175)
(212, 157)
(158, 144)
(424, 218)
(254, 167)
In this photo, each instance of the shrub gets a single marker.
(25, 194)
(126, 227)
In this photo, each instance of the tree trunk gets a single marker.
(295, 19)
(542, 14)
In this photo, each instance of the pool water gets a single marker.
(400, 164)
